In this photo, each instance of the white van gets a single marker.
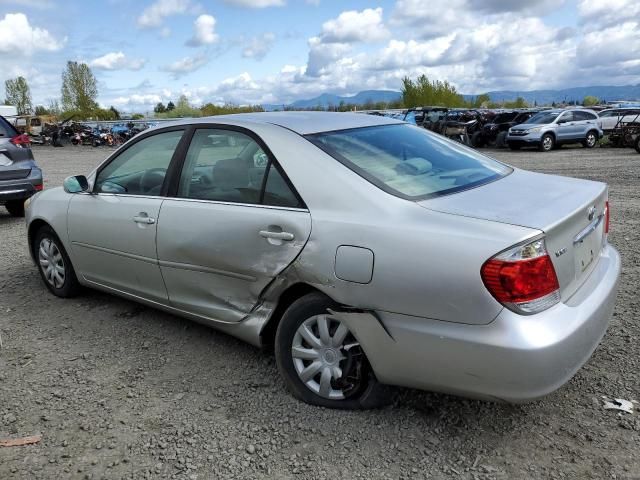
(8, 111)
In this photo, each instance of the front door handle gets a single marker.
(144, 219)
(286, 236)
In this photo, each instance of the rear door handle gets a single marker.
(286, 236)
(144, 219)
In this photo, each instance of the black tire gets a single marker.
(500, 139)
(477, 140)
(70, 287)
(514, 147)
(15, 208)
(591, 139)
(368, 393)
(637, 144)
(547, 142)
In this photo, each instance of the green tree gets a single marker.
(18, 94)
(482, 101)
(590, 100)
(160, 108)
(54, 107)
(425, 92)
(79, 89)
(517, 103)
(116, 113)
(41, 110)
(170, 106)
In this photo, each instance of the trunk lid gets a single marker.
(10, 169)
(569, 211)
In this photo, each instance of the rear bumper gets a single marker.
(20, 189)
(514, 358)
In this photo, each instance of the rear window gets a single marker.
(6, 129)
(409, 161)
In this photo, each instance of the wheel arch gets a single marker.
(594, 130)
(33, 228)
(286, 298)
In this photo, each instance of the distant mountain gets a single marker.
(542, 97)
(545, 97)
(327, 99)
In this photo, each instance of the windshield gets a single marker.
(543, 118)
(504, 117)
(409, 161)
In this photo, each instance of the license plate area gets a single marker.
(587, 249)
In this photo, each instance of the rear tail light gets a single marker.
(523, 278)
(21, 140)
(39, 187)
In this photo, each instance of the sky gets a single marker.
(276, 51)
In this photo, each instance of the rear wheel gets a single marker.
(547, 142)
(15, 208)
(321, 361)
(637, 145)
(54, 264)
(590, 140)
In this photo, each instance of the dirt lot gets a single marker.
(122, 391)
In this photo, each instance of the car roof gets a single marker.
(303, 123)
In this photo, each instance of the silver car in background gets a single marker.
(20, 177)
(551, 128)
(370, 252)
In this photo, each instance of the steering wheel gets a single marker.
(152, 178)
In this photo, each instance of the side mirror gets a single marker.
(76, 184)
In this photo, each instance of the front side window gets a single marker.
(229, 166)
(141, 168)
(408, 161)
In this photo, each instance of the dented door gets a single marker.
(216, 258)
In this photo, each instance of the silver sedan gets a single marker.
(368, 251)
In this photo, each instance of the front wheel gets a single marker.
(321, 361)
(590, 140)
(547, 142)
(54, 264)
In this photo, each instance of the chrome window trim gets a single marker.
(238, 204)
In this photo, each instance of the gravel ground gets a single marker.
(122, 391)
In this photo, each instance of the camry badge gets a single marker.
(591, 213)
(560, 252)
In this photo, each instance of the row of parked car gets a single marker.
(544, 129)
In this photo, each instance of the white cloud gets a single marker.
(608, 12)
(256, 3)
(17, 35)
(204, 31)
(154, 15)
(186, 65)
(258, 47)
(354, 26)
(116, 61)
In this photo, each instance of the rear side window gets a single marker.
(579, 115)
(409, 161)
(229, 166)
(6, 129)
